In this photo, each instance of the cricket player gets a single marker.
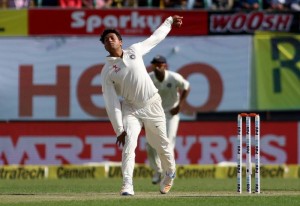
(173, 89)
(124, 75)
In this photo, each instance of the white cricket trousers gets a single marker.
(172, 127)
(151, 116)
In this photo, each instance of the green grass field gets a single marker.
(185, 192)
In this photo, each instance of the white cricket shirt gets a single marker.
(127, 77)
(168, 88)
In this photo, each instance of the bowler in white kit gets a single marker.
(124, 75)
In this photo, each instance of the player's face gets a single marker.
(112, 42)
(159, 67)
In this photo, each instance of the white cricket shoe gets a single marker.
(166, 184)
(127, 189)
(156, 178)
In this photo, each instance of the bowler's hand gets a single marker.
(177, 21)
(121, 139)
(175, 110)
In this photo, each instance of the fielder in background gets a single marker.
(124, 74)
(173, 89)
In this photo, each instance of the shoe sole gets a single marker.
(126, 194)
(167, 187)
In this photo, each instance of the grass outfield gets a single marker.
(185, 192)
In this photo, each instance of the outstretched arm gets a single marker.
(159, 34)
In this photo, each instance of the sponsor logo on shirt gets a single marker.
(132, 56)
(116, 68)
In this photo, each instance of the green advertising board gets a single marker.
(277, 71)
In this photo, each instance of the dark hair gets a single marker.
(159, 59)
(107, 31)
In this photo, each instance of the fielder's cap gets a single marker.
(158, 60)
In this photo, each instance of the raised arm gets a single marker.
(159, 34)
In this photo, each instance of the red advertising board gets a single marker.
(249, 22)
(133, 22)
(55, 143)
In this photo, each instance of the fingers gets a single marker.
(177, 21)
(120, 141)
(177, 17)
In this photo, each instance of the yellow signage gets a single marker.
(22, 172)
(13, 23)
(76, 172)
(277, 70)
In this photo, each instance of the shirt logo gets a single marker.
(116, 68)
(132, 56)
(169, 85)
